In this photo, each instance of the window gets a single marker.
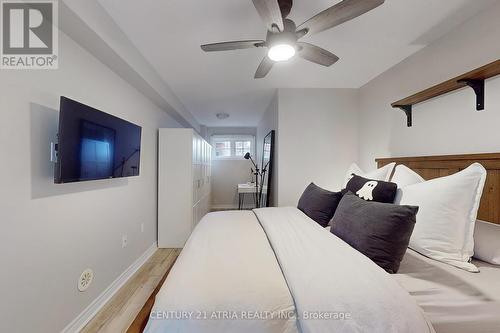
(223, 149)
(242, 147)
(232, 146)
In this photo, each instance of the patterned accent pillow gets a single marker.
(383, 173)
(372, 190)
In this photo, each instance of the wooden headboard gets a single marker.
(430, 167)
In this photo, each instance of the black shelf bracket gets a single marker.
(478, 86)
(407, 109)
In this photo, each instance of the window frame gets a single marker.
(232, 138)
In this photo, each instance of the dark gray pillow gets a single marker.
(378, 230)
(372, 190)
(319, 204)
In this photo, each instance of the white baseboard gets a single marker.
(225, 207)
(90, 311)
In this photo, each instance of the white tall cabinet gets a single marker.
(184, 184)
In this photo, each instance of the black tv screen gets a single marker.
(95, 145)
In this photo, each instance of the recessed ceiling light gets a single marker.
(222, 115)
(281, 52)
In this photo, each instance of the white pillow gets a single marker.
(447, 214)
(404, 176)
(487, 242)
(384, 173)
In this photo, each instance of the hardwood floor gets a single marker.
(128, 310)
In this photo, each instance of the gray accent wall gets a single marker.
(51, 233)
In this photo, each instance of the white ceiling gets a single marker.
(169, 34)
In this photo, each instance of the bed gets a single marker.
(454, 300)
(272, 270)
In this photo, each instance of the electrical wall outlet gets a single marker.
(124, 241)
(142, 227)
(53, 152)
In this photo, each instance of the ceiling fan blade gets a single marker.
(264, 68)
(270, 12)
(236, 45)
(338, 14)
(316, 54)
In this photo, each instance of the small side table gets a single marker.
(246, 189)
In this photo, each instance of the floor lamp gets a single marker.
(256, 174)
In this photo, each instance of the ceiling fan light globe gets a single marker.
(281, 52)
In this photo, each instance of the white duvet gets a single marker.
(276, 271)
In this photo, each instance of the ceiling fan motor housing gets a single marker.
(288, 36)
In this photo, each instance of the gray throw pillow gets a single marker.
(319, 204)
(380, 231)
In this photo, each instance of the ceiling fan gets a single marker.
(283, 35)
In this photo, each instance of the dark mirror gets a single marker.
(267, 171)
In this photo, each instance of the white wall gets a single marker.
(448, 124)
(88, 23)
(317, 139)
(51, 233)
(268, 123)
(227, 174)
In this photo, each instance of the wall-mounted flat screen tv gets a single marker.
(95, 145)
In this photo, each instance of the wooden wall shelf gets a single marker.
(474, 79)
